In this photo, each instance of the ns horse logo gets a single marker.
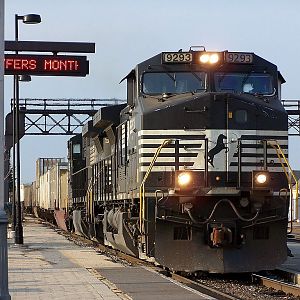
(217, 149)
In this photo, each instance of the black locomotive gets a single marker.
(190, 172)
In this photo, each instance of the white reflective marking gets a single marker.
(250, 169)
(255, 159)
(209, 132)
(157, 142)
(153, 150)
(159, 159)
(232, 168)
(158, 168)
(252, 150)
(187, 159)
(257, 142)
(199, 143)
(170, 150)
(171, 132)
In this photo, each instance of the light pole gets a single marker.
(27, 19)
(24, 78)
(4, 294)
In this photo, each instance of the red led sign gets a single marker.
(46, 65)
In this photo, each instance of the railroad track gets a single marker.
(202, 288)
(278, 285)
(214, 293)
(294, 237)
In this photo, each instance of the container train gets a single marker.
(191, 172)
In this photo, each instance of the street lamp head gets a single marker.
(31, 19)
(25, 78)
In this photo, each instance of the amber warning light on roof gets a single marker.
(46, 65)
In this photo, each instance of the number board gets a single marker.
(177, 57)
(47, 65)
(238, 58)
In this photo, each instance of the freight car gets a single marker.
(192, 171)
(49, 196)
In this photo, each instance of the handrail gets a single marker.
(89, 200)
(279, 152)
(142, 186)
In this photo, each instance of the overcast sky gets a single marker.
(129, 31)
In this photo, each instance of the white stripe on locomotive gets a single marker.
(220, 161)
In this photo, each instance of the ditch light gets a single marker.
(260, 179)
(184, 181)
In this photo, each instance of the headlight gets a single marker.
(214, 58)
(261, 178)
(204, 58)
(211, 58)
(184, 179)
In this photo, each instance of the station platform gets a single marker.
(296, 230)
(292, 265)
(48, 266)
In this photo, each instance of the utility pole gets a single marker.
(4, 294)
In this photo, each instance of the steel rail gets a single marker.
(202, 288)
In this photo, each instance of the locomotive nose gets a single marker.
(225, 121)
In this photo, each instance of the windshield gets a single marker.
(253, 83)
(173, 82)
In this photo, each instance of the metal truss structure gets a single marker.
(293, 109)
(67, 116)
(59, 116)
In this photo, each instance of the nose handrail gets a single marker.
(142, 186)
(284, 162)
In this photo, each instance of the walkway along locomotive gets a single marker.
(191, 172)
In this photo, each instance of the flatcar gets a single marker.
(191, 171)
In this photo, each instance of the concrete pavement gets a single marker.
(49, 266)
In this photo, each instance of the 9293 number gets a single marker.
(239, 58)
(177, 57)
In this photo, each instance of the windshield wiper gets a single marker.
(262, 94)
(160, 97)
(169, 95)
(165, 96)
(151, 96)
